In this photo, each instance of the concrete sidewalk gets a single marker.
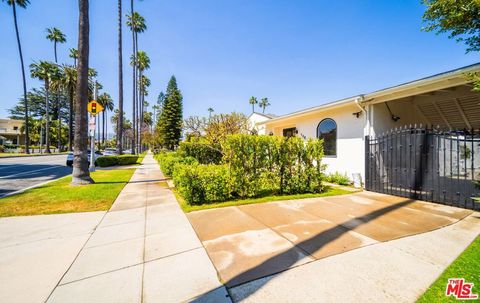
(143, 250)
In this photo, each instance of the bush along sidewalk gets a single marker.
(251, 166)
(105, 161)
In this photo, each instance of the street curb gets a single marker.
(30, 156)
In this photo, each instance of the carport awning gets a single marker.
(455, 113)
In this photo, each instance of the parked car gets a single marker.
(96, 156)
(127, 152)
(110, 152)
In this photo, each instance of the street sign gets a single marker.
(94, 107)
(91, 126)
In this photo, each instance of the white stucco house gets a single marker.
(255, 122)
(442, 101)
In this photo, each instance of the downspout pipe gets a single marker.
(358, 102)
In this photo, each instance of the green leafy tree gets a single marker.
(22, 4)
(210, 111)
(219, 126)
(460, 19)
(170, 123)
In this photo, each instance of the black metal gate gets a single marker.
(425, 164)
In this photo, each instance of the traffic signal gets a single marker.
(94, 108)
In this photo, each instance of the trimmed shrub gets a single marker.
(105, 161)
(338, 178)
(200, 183)
(168, 161)
(204, 153)
(260, 164)
(252, 166)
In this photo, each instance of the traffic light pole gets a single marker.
(92, 136)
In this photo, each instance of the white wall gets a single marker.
(381, 119)
(255, 118)
(350, 137)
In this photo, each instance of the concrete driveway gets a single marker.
(249, 242)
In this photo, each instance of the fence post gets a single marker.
(367, 162)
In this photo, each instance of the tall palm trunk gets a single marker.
(120, 83)
(70, 118)
(80, 174)
(134, 113)
(25, 100)
(137, 96)
(47, 119)
(57, 105)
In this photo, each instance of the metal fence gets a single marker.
(426, 164)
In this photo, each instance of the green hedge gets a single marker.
(203, 152)
(260, 164)
(105, 161)
(252, 166)
(199, 183)
(168, 161)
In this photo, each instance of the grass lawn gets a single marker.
(60, 197)
(466, 266)
(330, 191)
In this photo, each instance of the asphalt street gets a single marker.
(23, 172)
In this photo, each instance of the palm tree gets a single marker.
(47, 72)
(144, 83)
(210, 111)
(80, 174)
(136, 23)
(143, 63)
(120, 83)
(56, 36)
(263, 104)
(22, 4)
(74, 55)
(155, 111)
(107, 102)
(253, 101)
(68, 82)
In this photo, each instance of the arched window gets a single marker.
(327, 130)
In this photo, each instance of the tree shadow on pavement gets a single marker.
(316, 243)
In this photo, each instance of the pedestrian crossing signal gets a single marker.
(94, 107)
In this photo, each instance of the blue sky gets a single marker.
(297, 53)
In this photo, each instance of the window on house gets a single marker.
(15, 128)
(327, 130)
(290, 132)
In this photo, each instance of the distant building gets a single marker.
(10, 132)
